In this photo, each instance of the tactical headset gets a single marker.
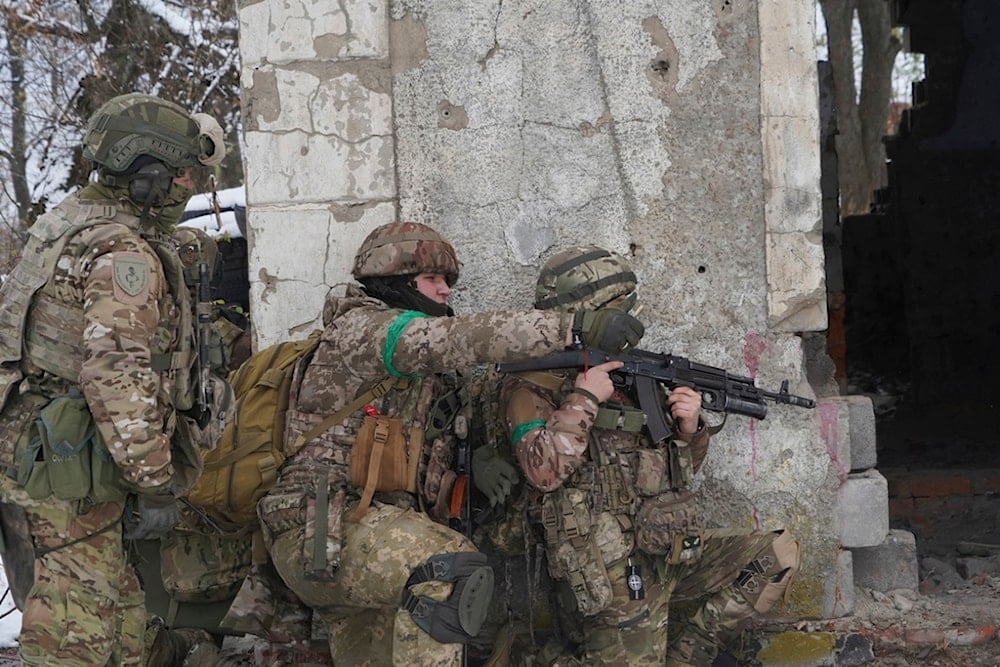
(147, 185)
(151, 183)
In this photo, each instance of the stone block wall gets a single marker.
(682, 135)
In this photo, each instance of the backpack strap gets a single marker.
(387, 383)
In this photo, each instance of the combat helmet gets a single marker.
(584, 278)
(402, 249)
(131, 125)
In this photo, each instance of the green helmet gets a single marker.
(132, 125)
(584, 278)
(404, 248)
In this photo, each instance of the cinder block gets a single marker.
(856, 430)
(862, 419)
(890, 565)
(863, 509)
(838, 589)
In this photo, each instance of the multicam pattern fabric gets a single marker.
(583, 278)
(360, 601)
(85, 606)
(620, 472)
(404, 248)
(82, 332)
(86, 329)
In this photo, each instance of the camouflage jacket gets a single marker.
(557, 443)
(102, 314)
(365, 340)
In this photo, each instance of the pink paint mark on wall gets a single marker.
(829, 414)
(754, 345)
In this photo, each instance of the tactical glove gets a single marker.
(492, 475)
(150, 517)
(608, 329)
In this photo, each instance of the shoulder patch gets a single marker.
(131, 277)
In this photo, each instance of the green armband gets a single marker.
(392, 338)
(521, 429)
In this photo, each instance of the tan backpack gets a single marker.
(244, 465)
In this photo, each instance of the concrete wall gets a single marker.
(683, 135)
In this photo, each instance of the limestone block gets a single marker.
(863, 509)
(796, 283)
(890, 565)
(297, 167)
(295, 30)
(863, 438)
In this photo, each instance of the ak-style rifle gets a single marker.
(721, 391)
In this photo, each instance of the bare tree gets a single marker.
(861, 115)
(61, 59)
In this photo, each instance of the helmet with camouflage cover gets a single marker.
(132, 125)
(194, 248)
(405, 248)
(584, 278)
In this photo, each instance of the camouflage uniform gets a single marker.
(608, 504)
(361, 573)
(91, 332)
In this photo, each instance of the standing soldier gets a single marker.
(357, 525)
(622, 532)
(99, 384)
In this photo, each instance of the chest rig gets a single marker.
(54, 341)
(628, 493)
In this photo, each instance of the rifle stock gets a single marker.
(642, 371)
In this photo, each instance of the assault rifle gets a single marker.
(204, 312)
(720, 390)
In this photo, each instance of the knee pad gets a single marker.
(765, 579)
(459, 618)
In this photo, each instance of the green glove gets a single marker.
(492, 475)
(608, 329)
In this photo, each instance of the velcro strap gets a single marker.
(620, 418)
(322, 519)
(374, 466)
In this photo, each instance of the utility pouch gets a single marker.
(57, 459)
(379, 456)
(200, 567)
(573, 555)
(652, 475)
(105, 475)
(381, 461)
(19, 412)
(670, 524)
(323, 533)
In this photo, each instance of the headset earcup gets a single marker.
(150, 183)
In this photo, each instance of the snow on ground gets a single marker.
(10, 624)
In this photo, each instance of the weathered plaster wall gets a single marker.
(683, 135)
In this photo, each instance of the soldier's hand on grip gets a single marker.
(608, 329)
(596, 380)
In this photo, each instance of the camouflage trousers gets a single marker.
(85, 606)
(631, 633)
(360, 604)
